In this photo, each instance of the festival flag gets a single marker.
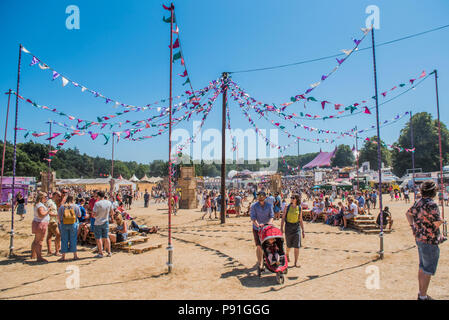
(54, 135)
(176, 31)
(64, 81)
(166, 8)
(184, 74)
(366, 110)
(175, 44)
(187, 81)
(177, 56)
(34, 61)
(423, 74)
(25, 50)
(55, 75)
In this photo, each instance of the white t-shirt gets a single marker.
(36, 217)
(354, 209)
(102, 209)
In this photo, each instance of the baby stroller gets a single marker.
(267, 232)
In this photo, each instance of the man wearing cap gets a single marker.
(261, 213)
(425, 221)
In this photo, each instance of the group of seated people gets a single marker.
(338, 215)
(119, 228)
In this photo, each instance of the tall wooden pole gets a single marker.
(357, 154)
(441, 152)
(379, 150)
(4, 145)
(223, 149)
(112, 163)
(170, 247)
(49, 163)
(413, 156)
(11, 243)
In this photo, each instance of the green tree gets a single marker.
(369, 153)
(427, 154)
(343, 157)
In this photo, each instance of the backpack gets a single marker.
(69, 216)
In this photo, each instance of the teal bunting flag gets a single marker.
(177, 56)
(106, 136)
(99, 119)
(27, 134)
(168, 20)
(311, 99)
(187, 81)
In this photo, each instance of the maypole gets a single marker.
(49, 162)
(413, 156)
(379, 152)
(170, 247)
(441, 153)
(357, 155)
(4, 144)
(223, 150)
(11, 244)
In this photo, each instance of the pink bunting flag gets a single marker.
(337, 106)
(39, 134)
(182, 61)
(176, 44)
(54, 135)
(384, 94)
(423, 74)
(412, 80)
(166, 8)
(184, 74)
(367, 110)
(94, 135)
(71, 118)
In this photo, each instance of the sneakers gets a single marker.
(99, 256)
(109, 255)
(425, 298)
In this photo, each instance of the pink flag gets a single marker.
(54, 135)
(337, 106)
(423, 74)
(367, 110)
(184, 74)
(39, 134)
(94, 135)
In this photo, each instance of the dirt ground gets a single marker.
(213, 261)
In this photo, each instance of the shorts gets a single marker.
(39, 227)
(53, 229)
(101, 231)
(121, 237)
(349, 216)
(428, 257)
(256, 238)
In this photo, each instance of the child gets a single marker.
(272, 249)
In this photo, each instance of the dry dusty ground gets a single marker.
(213, 261)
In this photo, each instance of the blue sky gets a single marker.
(121, 50)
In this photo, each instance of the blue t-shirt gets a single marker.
(262, 214)
(361, 201)
(82, 218)
(277, 207)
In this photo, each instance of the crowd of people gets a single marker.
(68, 218)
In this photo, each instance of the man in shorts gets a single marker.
(425, 221)
(101, 212)
(53, 230)
(261, 213)
(237, 204)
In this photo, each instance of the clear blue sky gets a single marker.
(121, 50)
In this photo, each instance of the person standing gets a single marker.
(146, 199)
(425, 221)
(68, 215)
(237, 204)
(101, 211)
(292, 219)
(20, 200)
(53, 229)
(261, 213)
(39, 227)
(277, 206)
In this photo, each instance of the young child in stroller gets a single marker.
(272, 252)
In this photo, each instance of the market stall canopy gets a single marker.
(134, 178)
